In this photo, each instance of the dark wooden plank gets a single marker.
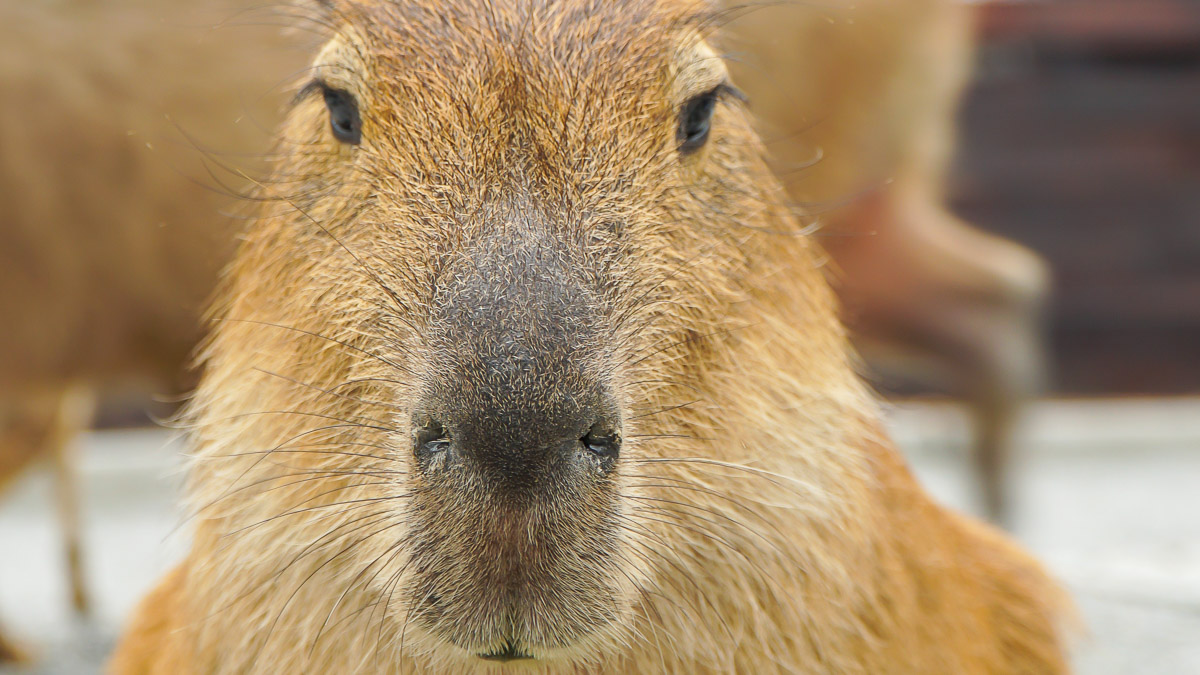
(1116, 25)
(1081, 139)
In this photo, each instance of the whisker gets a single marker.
(315, 335)
(258, 461)
(660, 411)
(354, 422)
(391, 553)
(295, 512)
(293, 450)
(312, 574)
(307, 385)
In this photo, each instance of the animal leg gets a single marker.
(75, 413)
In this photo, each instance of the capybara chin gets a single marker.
(526, 364)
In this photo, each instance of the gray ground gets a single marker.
(1108, 494)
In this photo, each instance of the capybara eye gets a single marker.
(603, 441)
(343, 115)
(695, 120)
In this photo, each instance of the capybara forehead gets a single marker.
(570, 34)
(546, 58)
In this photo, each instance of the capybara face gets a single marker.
(525, 364)
(516, 227)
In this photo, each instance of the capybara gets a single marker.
(856, 102)
(526, 362)
(110, 238)
(119, 122)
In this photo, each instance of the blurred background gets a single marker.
(1078, 138)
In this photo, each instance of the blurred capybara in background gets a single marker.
(526, 363)
(856, 102)
(111, 233)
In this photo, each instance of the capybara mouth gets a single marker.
(511, 651)
(509, 607)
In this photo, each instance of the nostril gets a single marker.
(603, 441)
(430, 439)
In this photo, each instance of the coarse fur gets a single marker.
(523, 155)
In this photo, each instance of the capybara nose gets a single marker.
(516, 394)
(522, 448)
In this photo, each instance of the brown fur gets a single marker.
(111, 236)
(857, 103)
(765, 523)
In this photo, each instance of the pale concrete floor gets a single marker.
(1108, 495)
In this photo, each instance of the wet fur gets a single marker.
(765, 522)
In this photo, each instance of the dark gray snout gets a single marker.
(517, 399)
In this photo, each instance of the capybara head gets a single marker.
(472, 338)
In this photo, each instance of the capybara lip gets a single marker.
(511, 651)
